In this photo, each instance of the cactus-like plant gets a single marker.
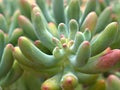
(61, 48)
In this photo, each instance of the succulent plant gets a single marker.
(59, 47)
(9, 33)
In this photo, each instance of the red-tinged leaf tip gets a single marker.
(87, 29)
(92, 14)
(107, 49)
(110, 8)
(35, 10)
(51, 24)
(17, 30)
(113, 16)
(22, 20)
(61, 24)
(72, 21)
(86, 43)
(20, 39)
(20, 17)
(23, 2)
(57, 48)
(6, 35)
(111, 78)
(33, 5)
(13, 49)
(71, 42)
(1, 15)
(101, 1)
(62, 36)
(79, 32)
(64, 45)
(37, 14)
(69, 82)
(115, 24)
(9, 46)
(109, 59)
(48, 86)
(1, 31)
(90, 21)
(45, 87)
(37, 42)
(102, 81)
(54, 39)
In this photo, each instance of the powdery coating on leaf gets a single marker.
(109, 59)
